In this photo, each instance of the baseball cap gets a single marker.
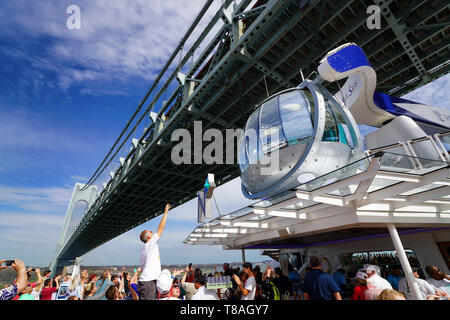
(361, 275)
(373, 268)
(164, 282)
(364, 268)
(340, 267)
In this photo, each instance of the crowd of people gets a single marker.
(149, 282)
(248, 283)
(368, 284)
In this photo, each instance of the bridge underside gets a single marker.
(410, 49)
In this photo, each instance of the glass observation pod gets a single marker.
(293, 137)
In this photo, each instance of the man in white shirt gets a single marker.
(375, 280)
(150, 260)
(202, 293)
(425, 288)
(438, 279)
(248, 290)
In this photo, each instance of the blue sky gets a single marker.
(65, 95)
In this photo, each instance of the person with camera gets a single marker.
(103, 284)
(36, 293)
(29, 290)
(269, 290)
(190, 274)
(115, 292)
(21, 280)
(427, 290)
(248, 288)
(438, 279)
(49, 290)
(133, 283)
(189, 287)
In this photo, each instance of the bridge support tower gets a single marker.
(88, 196)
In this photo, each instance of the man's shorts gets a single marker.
(296, 288)
(147, 290)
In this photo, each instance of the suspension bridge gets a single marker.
(218, 73)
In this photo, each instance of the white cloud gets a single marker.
(19, 219)
(30, 237)
(55, 199)
(436, 93)
(119, 40)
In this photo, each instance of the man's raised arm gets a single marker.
(22, 278)
(162, 224)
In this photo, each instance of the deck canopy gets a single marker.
(354, 201)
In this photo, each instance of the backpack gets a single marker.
(270, 291)
(276, 292)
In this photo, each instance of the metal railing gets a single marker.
(440, 143)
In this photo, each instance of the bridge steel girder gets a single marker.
(275, 42)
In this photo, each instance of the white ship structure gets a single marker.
(327, 195)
